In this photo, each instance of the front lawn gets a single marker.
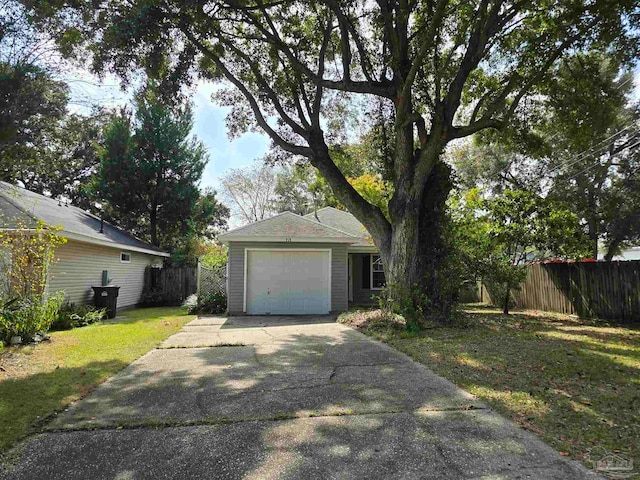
(574, 383)
(38, 380)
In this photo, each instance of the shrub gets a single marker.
(191, 303)
(214, 302)
(28, 316)
(71, 316)
(32, 252)
(154, 298)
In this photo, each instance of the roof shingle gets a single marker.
(288, 225)
(344, 221)
(20, 207)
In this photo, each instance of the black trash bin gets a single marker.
(106, 297)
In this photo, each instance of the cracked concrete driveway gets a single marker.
(281, 397)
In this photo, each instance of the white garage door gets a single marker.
(288, 282)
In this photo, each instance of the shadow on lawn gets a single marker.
(572, 382)
(26, 402)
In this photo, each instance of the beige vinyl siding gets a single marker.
(79, 266)
(339, 271)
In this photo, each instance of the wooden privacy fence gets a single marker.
(607, 290)
(175, 283)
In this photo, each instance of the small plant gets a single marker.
(213, 302)
(191, 303)
(71, 316)
(26, 317)
(414, 306)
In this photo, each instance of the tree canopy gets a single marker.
(581, 146)
(498, 236)
(150, 168)
(438, 70)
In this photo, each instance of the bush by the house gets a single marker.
(211, 303)
(214, 302)
(71, 316)
(23, 319)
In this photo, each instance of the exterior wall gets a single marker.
(361, 295)
(79, 266)
(235, 265)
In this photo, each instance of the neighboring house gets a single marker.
(92, 246)
(631, 253)
(288, 264)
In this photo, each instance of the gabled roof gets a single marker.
(287, 227)
(344, 221)
(22, 208)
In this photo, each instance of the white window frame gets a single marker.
(378, 271)
(127, 254)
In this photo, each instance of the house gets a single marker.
(92, 247)
(289, 264)
(630, 253)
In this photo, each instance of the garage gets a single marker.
(287, 281)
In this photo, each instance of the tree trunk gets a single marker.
(413, 242)
(153, 225)
(593, 237)
(612, 249)
(418, 255)
(507, 297)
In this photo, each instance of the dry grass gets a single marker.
(573, 382)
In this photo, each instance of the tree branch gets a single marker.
(380, 88)
(253, 103)
(427, 43)
(268, 91)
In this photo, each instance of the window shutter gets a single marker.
(366, 271)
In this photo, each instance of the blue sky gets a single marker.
(223, 153)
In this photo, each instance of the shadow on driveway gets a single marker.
(289, 401)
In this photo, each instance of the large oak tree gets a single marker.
(445, 69)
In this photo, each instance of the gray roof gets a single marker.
(21, 207)
(288, 225)
(344, 221)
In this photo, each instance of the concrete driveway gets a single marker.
(281, 397)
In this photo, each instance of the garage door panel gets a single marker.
(288, 282)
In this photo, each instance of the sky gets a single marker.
(209, 126)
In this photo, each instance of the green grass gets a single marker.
(573, 382)
(38, 380)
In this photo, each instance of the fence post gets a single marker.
(198, 280)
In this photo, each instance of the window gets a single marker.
(125, 257)
(377, 273)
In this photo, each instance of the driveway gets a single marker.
(281, 397)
